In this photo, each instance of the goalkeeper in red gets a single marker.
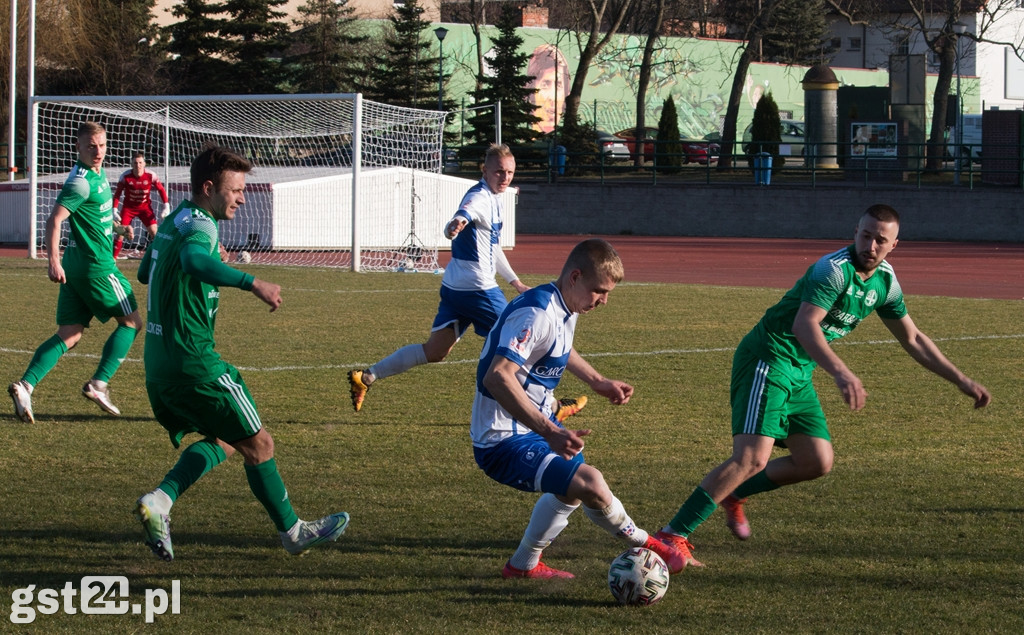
(773, 398)
(191, 389)
(137, 185)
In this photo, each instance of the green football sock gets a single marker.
(45, 358)
(755, 485)
(266, 483)
(195, 460)
(114, 352)
(697, 508)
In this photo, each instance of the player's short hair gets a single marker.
(90, 128)
(214, 160)
(883, 213)
(498, 151)
(139, 155)
(595, 256)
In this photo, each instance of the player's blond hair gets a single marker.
(595, 257)
(498, 151)
(90, 128)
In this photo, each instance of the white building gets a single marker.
(992, 29)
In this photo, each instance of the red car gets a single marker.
(696, 151)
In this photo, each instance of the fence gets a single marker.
(852, 163)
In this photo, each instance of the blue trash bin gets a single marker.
(556, 160)
(763, 168)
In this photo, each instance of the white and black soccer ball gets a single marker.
(638, 577)
(244, 257)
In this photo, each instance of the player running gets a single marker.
(137, 185)
(469, 293)
(191, 389)
(90, 284)
(773, 397)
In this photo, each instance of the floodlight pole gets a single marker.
(959, 29)
(440, 32)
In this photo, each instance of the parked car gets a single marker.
(791, 132)
(613, 147)
(696, 150)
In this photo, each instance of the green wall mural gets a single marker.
(696, 73)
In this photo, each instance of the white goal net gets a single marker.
(337, 180)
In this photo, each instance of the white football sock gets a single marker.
(398, 362)
(617, 522)
(550, 516)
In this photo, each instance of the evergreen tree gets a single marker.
(797, 33)
(507, 84)
(404, 73)
(668, 155)
(197, 64)
(766, 129)
(325, 54)
(258, 36)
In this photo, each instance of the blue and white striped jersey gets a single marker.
(535, 331)
(472, 266)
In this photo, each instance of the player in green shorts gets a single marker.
(191, 389)
(91, 285)
(773, 399)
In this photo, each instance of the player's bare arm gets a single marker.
(808, 332)
(500, 380)
(924, 351)
(617, 392)
(55, 270)
(268, 292)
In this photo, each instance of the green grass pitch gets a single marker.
(918, 529)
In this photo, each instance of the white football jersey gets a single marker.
(472, 266)
(536, 331)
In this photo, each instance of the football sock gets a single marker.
(617, 522)
(268, 487)
(398, 362)
(114, 352)
(697, 508)
(550, 516)
(44, 359)
(195, 460)
(755, 485)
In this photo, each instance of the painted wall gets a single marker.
(696, 73)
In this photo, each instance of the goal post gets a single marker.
(337, 181)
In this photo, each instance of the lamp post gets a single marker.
(440, 32)
(959, 29)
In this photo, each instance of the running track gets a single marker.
(966, 270)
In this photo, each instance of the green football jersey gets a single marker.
(831, 283)
(90, 251)
(181, 311)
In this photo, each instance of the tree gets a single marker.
(767, 28)
(325, 55)
(598, 22)
(669, 152)
(404, 74)
(655, 19)
(507, 84)
(197, 64)
(766, 129)
(257, 35)
(121, 62)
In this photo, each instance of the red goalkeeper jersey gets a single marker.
(137, 190)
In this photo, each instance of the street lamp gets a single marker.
(958, 28)
(440, 32)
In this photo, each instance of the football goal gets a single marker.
(337, 181)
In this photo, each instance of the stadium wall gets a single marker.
(937, 214)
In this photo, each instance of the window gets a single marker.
(854, 44)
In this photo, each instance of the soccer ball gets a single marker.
(638, 577)
(244, 257)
